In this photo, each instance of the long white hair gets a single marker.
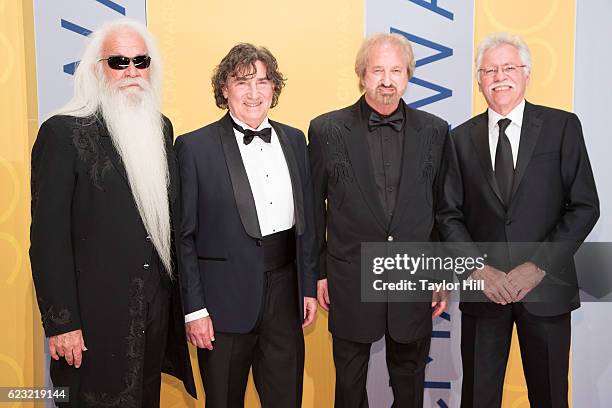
(135, 125)
(89, 77)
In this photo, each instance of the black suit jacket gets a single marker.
(221, 252)
(343, 175)
(554, 200)
(88, 251)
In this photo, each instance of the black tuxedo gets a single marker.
(343, 175)
(95, 268)
(222, 248)
(553, 200)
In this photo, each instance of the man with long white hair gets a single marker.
(104, 204)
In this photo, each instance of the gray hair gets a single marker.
(88, 77)
(361, 61)
(495, 40)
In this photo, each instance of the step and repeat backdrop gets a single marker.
(315, 43)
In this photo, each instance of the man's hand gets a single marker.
(69, 345)
(524, 278)
(310, 311)
(200, 332)
(497, 287)
(323, 294)
(439, 301)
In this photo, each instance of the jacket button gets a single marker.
(390, 238)
(258, 242)
(148, 238)
(508, 222)
(145, 266)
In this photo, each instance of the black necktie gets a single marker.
(504, 166)
(264, 134)
(395, 121)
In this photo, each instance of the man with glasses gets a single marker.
(249, 272)
(104, 208)
(517, 173)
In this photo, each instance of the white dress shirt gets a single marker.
(513, 131)
(270, 183)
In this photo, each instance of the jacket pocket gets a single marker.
(212, 258)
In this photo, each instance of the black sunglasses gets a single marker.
(120, 62)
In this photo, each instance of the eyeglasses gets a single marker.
(119, 62)
(508, 69)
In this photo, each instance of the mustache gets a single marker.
(503, 83)
(381, 86)
(125, 82)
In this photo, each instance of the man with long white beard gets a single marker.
(104, 203)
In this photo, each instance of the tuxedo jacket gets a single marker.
(554, 202)
(221, 252)
(343, 175)
(93, 264)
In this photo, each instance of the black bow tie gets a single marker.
(395, 121)
(264, 134)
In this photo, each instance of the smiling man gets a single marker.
(104, 202)
(247, 239)
(376, 164)
(517, 173)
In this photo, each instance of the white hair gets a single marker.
(495, 40)
(135, 126)
(89, 76)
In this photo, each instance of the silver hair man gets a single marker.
(135, 125)
(495, 40)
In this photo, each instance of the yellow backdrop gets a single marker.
(21, 345)
(315, 43)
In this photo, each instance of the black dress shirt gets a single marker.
(386, 149)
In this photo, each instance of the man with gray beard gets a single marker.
(104, 203)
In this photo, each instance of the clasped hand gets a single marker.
(512, 287)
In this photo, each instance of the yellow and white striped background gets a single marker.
(315, 43)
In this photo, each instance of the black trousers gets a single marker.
(405, 362)
(274, 349)
(545, 346)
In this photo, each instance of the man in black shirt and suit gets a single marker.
(376, 163)
(517, 173)
(247, 238)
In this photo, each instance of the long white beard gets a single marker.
(135, 125)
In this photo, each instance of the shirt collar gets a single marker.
(263, 125)
(516, 116)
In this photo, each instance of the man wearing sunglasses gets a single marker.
(247, 239)
(104, 206)
(518, 173)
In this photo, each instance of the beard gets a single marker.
(388, 98)
(132, 116)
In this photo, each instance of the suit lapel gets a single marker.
(412, 147)
(530, 132)
(361, 162)
(240, 181)
(294, 174)
(480, 138)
